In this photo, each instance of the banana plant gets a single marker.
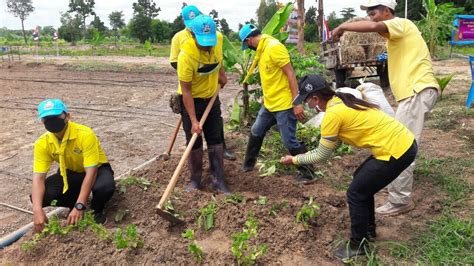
(239, 61)
(443, 82)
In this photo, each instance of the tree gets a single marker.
(224, 27)
(71, 27)
(310, 16)
(117, 22)
(83, 8)
(161, 30)
(311, 33)
(215, 16)
(333, 21)
(347, 13)
(146, 7)
(300, 44)
(21, 9)
(265, 11)
(99, 25)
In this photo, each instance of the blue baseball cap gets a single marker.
(204, 28)
(189, 13)
(51, 107)
(245, 32)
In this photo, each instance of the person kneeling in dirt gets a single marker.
(188, 13)
(363, 125)
(199, 65)
(279, 86)
(83, 167)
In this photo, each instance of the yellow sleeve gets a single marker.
(219, 47)
(396, 28)
(331, 125)
(186, 67)
(42, 158)
(90, 150)
(279, 55)
(174, 52)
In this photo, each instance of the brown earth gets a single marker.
(141, 135)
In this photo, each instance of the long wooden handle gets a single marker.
(185, 156)
(173, 137)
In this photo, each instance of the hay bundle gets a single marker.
(360, 46)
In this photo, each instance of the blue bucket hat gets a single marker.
(51, 107)
(204, 28)
(189, 13)
(245, 32)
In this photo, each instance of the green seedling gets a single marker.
(307, 212)
(206, 215)
(193, 247)
(133, 180)
(240, 248)
(120, 215)
(277, 207)
(128, 238)
(262, 200)
(170, 208)
(234, 198)
(188, 234)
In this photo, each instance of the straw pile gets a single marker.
(361, 46)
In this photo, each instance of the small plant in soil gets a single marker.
(262, 200)
(133, 180)
(120, 215)
(128, 238)
(307, 212)
(170, 208)
(241, 249)
(193, 247)
(234, 198)
(277, 207)
(206, 215)
(88, 222)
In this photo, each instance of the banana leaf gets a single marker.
(278, 20)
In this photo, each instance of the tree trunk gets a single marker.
(24, 34)
(300, 44)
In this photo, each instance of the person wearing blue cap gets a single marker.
(83, 167)
(279, 87)
(361, 124)
(188, 13)
(199, 67)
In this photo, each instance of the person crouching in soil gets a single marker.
(361, 124)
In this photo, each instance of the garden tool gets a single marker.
(166, 155)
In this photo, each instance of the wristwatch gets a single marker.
(79, 206)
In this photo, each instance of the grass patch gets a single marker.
(450, 240)
(93, 66)
(447, 117)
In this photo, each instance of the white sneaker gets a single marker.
(392, 209)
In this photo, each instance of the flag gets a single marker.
(36, 34)
(326, 32)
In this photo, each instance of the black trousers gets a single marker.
(371, 176)
(213, 126)
(102, 190)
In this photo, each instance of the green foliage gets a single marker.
(265, 11)
(307, 212)
(241, 249)
(140, 27)
(133, 180)
(234, 198)
(121, 214)
(193, 247)
(161, 31)
(347, 13)
(71, 28)
(277, 207)
(334, 21)
(304, 64)
(128, 238)
(88, 222)
(449, 241)
(443, 82)
(148, 46)
(262, 200)
(206, 215)
(188, 234)
(21, 9)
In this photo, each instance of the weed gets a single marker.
(240, 247)
(128, 238)
(133, 180)
(262, 200)
(307, 212)
(120, 215)
(234, 198)
(277, 207)
(206, 215)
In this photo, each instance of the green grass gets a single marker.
(95, 66)
(447, 116)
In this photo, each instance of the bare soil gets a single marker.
(130, 114)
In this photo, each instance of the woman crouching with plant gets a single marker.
(361, 124)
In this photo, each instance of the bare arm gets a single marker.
(359, 26)
(290, 73)
(222, 77)
(37, 195)
(188, 102)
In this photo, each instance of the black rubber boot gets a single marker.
(216, 163)
(251, 154)
(195, 166)
(371, 233)
(306, 173)
(228, 154)
(351, 249)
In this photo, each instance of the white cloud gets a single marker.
(47, 12)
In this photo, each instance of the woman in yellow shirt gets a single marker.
(361, 124)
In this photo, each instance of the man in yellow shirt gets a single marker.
(199, 68)
(83, 167)
(279, 87)
(189, 13)
(412, 81)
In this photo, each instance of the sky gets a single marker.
(47, 12)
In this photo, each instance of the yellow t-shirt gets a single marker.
(369, 128)
(82, 149)
(409, 63)
(275, 85)
(178, 40)
(204, 85)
